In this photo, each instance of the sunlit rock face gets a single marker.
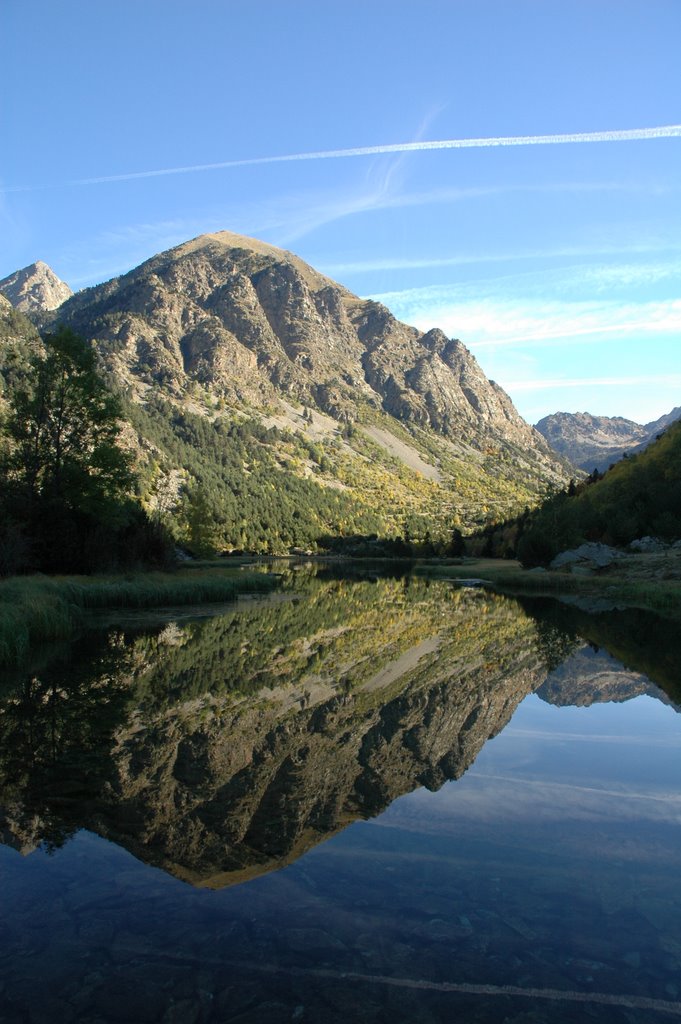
(254, 323)
(35, 289)
(239, 362)
(222, 749)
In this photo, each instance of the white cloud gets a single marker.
(553, 352)
(493, 323)
(608, 273)
(667, 379)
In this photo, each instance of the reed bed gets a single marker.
(41, 609)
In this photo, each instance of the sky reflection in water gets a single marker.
(549, 867)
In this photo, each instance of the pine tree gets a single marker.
(64, 431)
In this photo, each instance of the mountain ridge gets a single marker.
(595, 442)
(224, 328)
(402, 368)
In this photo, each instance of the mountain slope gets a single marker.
(595, 442)
(639, 496)
(356, 422)
(249, 318)
(18, 341)
(35, 288)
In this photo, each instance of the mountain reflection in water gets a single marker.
(221, 748)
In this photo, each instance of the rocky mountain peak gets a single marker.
(595, 442)
(232, 323)
(224, 302)
(35, 289)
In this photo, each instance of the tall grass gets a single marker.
(39, 609)
(662, 596)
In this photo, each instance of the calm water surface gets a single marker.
(369, 799)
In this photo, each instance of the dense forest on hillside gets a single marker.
(228, 497)
(250, 486)
(65, 481)
(639, 496)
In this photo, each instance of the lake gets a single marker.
(368, 797)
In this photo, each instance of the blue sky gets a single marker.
(557, 264)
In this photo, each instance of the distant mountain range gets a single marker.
(595, 442)
(363, 424)
(638, 497)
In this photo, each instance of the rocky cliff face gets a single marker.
(35, 289)
(595, 442)
(254, 322)
(364, 424)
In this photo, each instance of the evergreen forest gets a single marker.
(637, 497)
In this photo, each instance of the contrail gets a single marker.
(621, 135)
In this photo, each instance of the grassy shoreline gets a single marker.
(618, 586)
(40, 609)
(43, 609)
